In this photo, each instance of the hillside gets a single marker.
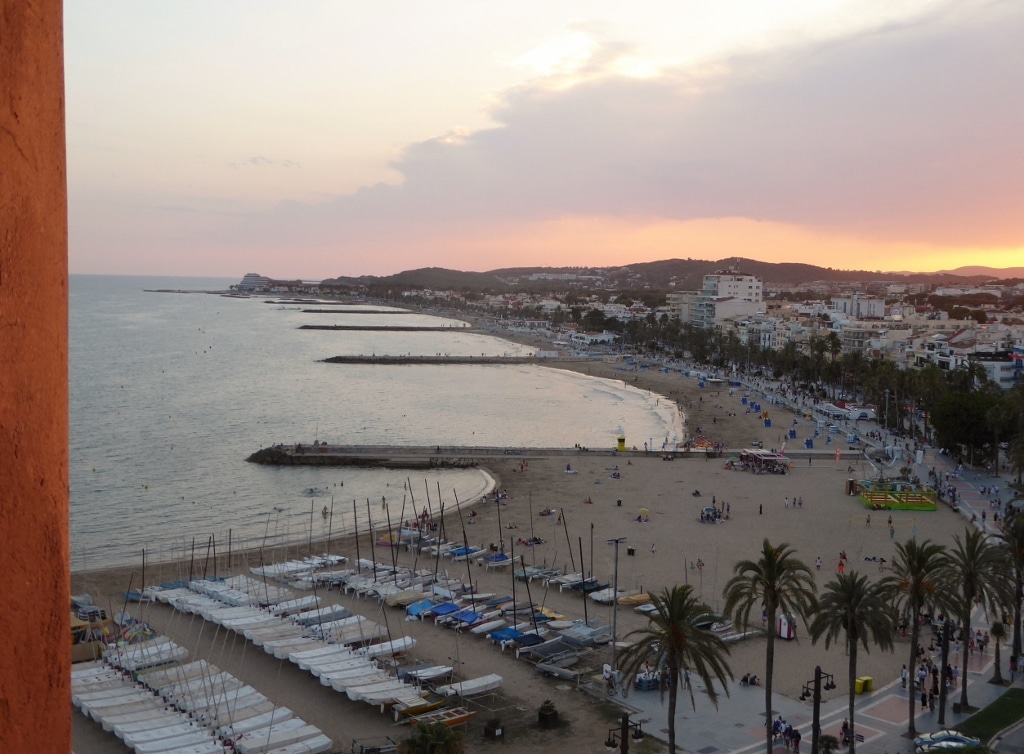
(677, 274)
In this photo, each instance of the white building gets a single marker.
(859, 307)
(725, 295)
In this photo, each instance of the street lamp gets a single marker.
(615, 600)
(812, 689)
(619, 738)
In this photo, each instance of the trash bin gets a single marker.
(631, 550)
(956, 708)
(869, 683)
(858, 686)
(767, 423)
(618, 503)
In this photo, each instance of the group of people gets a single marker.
(790, 735)
(929, 669)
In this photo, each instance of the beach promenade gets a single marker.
(737, 726)
(600, 500)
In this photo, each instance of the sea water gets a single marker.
(170, 392)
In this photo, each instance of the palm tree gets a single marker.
(828, 744)
(998, 633)
(858, 610)
(914, 587)
(978, 572)
(1012, 536)
(778, 582)
(436, 738)
(678, 645)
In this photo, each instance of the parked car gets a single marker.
(944, 740)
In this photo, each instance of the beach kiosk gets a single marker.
(787, 627)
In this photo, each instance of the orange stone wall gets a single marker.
(35, 659)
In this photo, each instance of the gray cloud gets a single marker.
(907, 133)
(259, 161)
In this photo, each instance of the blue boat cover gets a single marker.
(445, 608)
(497, 601)
(498, 557)
(467, 616)
(505, 634)
(417, 608)
(529, 640)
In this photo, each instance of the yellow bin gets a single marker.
(622, 442)
(869, 683)
(858, 686)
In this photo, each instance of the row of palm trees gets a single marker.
(926, 579)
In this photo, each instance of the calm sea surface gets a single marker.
(170, 392)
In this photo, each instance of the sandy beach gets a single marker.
(665, 551)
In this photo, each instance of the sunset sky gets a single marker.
(316, 139)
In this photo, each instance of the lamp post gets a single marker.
(615, 601)
(618, 738)
(813, 689)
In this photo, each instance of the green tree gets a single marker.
(828, 744)
(977, 572)
(1011, 535)
(998, 633)
(678, 645)
(779, 583)
(436, 738)
(915, 587)
(834, 344)
(1015, 455)
(960, 421)
(857, 610)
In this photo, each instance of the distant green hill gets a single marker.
(668, 274)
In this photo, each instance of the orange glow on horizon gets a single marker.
(604, 242)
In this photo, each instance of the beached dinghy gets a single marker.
(388, 648)
(472, 687)
(489, 626)
(263, 740)
(315, 745)
(238, 727)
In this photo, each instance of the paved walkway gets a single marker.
(737, 726)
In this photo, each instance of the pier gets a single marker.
(387, 328)
(415, 457)
(356, 311)
(361, 359)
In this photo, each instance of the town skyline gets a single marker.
(316, 140)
